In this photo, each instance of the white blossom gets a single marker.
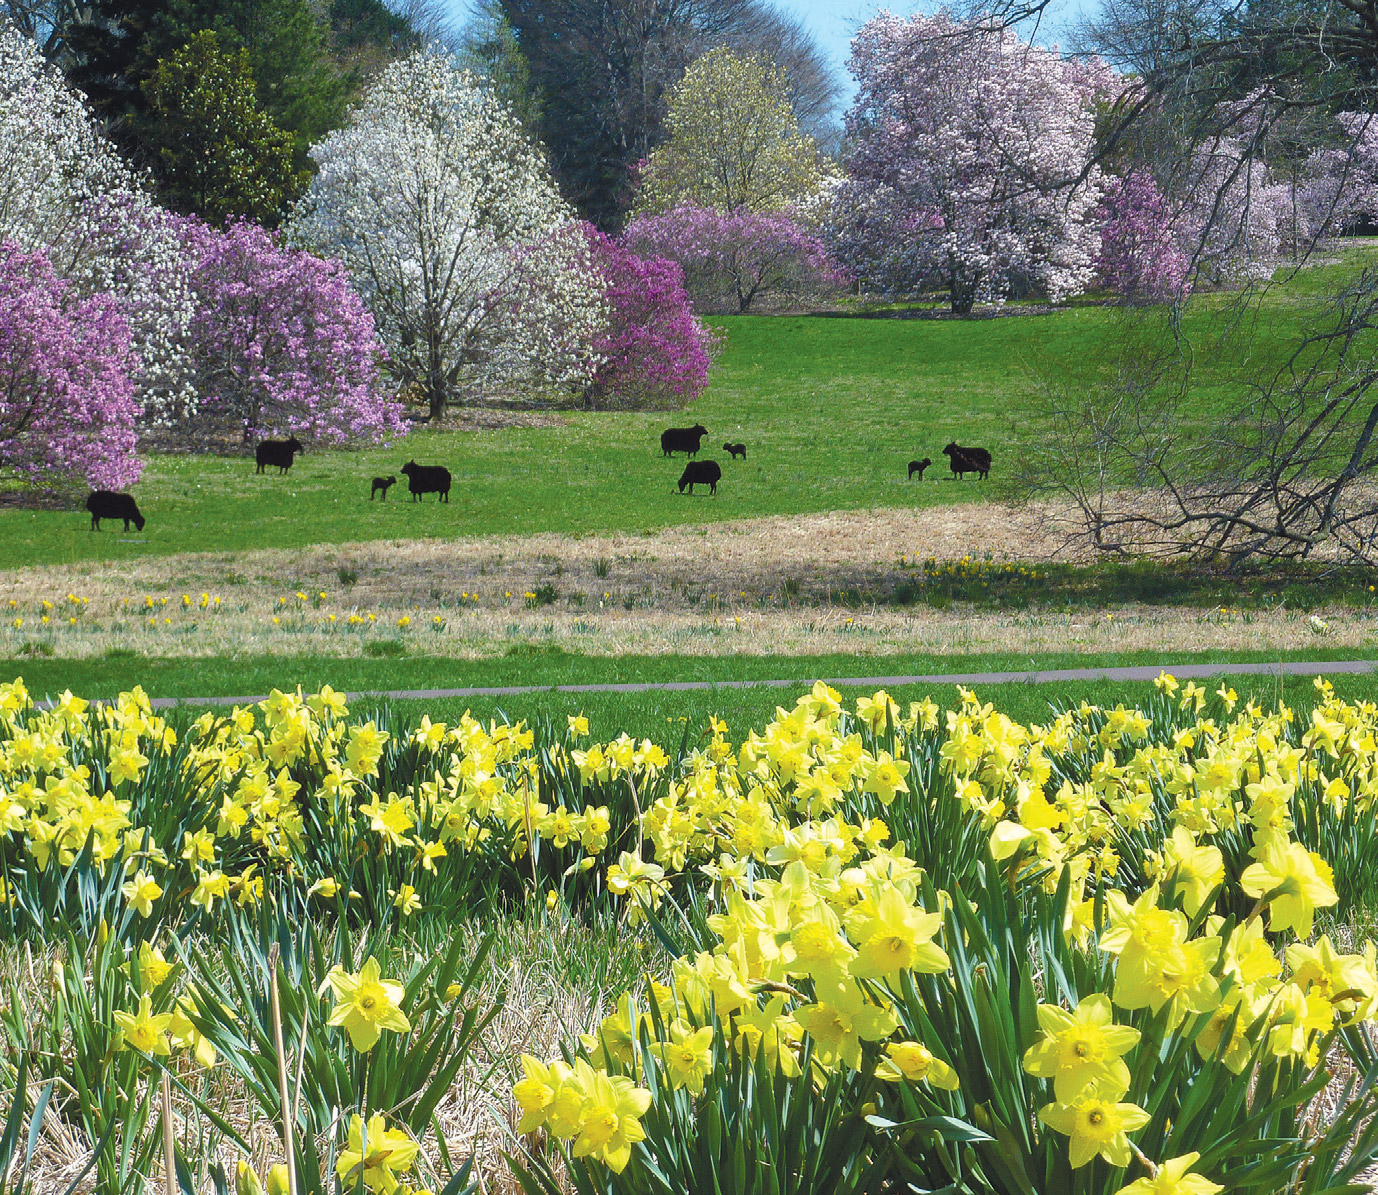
(451, 227)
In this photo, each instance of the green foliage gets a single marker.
(219, 154)
(489, 48)
(733, 142)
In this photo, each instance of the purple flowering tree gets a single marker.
(652, 351)
(281, 343)
(67, 406)
(732, 259)
(1139, 256)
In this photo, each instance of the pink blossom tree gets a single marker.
(281, 343)
(1139, 255)
(733, 259)
(652, 351)
(972, 148)
(67, 407)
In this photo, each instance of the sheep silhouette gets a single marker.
(427, 479)
(735, 450)
(106, 504)
(918, 467)
(384, 484)
(967, 460)
(682, 439)
(707, 473)
(277, 452)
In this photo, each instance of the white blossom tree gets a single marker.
(447, 218)
(968, 162)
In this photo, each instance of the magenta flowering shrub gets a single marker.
(281, 343)
(731, 259)
(652, 351)
(67, 407)
(1139, 256)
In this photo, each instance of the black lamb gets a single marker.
(735, 450)
(106, 504)
(384, 484)
(918, 467)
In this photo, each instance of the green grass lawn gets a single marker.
(238, 676)
(831, 409)
(667, 716)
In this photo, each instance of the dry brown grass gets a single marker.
(761, 586)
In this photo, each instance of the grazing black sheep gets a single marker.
(106, 504)
(707, 473)
(682, 439)
(384, 484)
(735, 450)
(967, 460)
(918, 467)
(427, 479)
(277, 452)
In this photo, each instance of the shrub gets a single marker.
(653, 351)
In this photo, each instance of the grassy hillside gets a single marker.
(831, 410)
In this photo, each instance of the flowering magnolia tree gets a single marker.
(449, 223)
(1231, 215)
(732, 259)
(652, 352)
(280, 343)
(1139, 255)
(969, 149)
(52, 159)
(1340, 184)
(67, 405)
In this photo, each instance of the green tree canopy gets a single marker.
(216, 151)
(733, 142)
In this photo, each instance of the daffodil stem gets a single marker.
(169, 1141)
(288, 1143)
(1148, 1164)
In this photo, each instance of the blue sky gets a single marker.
(834, 21)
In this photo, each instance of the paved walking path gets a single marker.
(1139, 672)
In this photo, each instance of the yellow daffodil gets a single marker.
(143, 1030)
(1095, 1127)
(1081, 1050)
(366, 1004)
(1174, 1177)
(1293, 881)
(377, 1153)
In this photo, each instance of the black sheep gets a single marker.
(707, 473)
(918, 467)
(277, 452)
(967, 460)
(106, 504)
(427, 479)
(682, 439)
(384, 484)
(735, 450)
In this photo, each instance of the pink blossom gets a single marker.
(281, 343)
(1139, 257)
(731, 259)
(652, 350)
(67, 405)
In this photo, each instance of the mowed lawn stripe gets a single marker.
(1051, 676)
